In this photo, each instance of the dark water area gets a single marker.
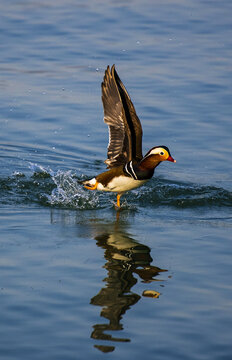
(78, 279)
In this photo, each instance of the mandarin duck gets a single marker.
(128, 168)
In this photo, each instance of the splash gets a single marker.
(40, 170)
(67, 191)
(70, 193)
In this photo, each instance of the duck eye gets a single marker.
(161, 153)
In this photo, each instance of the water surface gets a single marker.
(75, 274)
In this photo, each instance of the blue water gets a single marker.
(74, 273)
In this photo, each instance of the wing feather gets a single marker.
(125, 131)
(132, 120)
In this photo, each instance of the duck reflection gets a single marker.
(125, 257)
(127, 260)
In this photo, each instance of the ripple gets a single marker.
(184, 195)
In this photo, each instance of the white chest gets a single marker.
(121, 184)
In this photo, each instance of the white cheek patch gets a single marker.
(157, 151)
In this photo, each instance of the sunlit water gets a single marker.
(78, 279)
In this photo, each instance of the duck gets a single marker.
(127, 168)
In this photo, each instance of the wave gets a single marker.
(184, 195)
(63, 189)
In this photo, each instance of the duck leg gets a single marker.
(118, 200)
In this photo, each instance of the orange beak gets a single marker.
(170, 158)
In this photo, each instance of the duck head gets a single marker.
(155, 155)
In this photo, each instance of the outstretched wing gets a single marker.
(132, 120)
(125, 131)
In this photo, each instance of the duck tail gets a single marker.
(90, 184)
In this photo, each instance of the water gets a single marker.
(74, 273)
